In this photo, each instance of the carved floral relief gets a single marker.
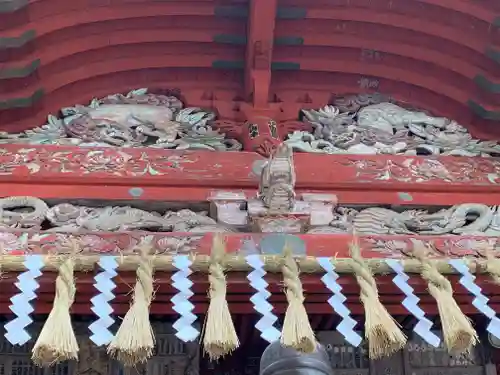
(479, 171)
(82, 161)
(372, 124)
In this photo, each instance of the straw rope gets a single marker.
(273, 263)
(134, 342)
(458, 333)
(57, 342)
(381, 330)
(297, 332)
(220, 336)
(492, 264)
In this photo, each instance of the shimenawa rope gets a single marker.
(297, 332)
(381, 330)
(219, 333)
(57, 342)
(458, 333)
(134, 342)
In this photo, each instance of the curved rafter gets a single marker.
(141, 39)
(382, 43)
(63, 71)
(318, 37)
(199, 87)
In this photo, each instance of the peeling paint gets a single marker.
(136, 192)
(405, 197)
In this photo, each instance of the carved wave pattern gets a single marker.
(34, 213)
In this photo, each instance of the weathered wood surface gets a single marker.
(169, 243)
(149, 174)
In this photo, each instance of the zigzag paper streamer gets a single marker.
(480, 301)
(15, 330)
(103, 282)
(336, 301)
(424, 325)
(260, 300)
(181, 304)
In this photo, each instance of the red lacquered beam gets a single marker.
(46, 165)
(316, 245)
(202, 194)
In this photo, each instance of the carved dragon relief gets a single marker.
(461, 219)
(34, 213)
(370, 124)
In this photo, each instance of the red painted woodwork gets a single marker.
(121, 58)
(260, 39)
(260, 134)
(176, 194)
(373, 246)
(423, 34)
(423, 52)
(160, 173)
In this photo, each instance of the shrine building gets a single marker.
(249, 187)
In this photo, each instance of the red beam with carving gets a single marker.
(147, 174)
(22, 241)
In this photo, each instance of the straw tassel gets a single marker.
(458, 333)
(381, 331)
(220, 336)
(297, 332)
(134, 342)
(57, 341)
(492, 265)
